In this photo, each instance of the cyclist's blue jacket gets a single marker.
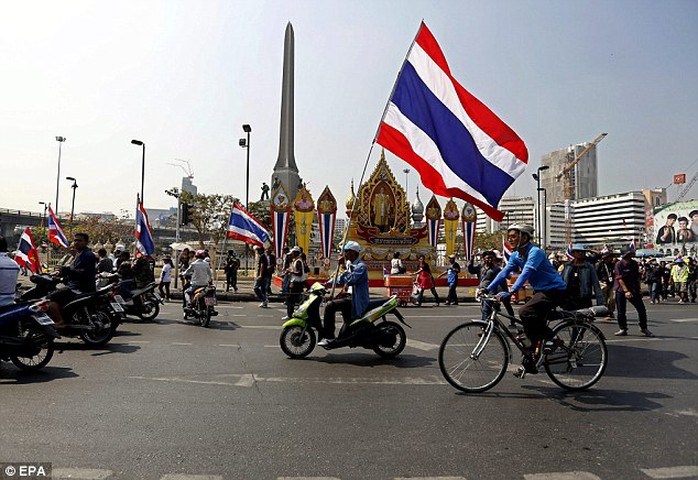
(356, 276)
(535, 268)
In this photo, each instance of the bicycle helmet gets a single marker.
(523, 228)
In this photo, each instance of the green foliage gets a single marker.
(209, 215)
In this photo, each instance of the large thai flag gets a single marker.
(459, 146)
(245, 227)
(326, 223)
(144, 234)
(55, 232)
(27, 255)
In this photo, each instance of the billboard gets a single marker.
(676, 227)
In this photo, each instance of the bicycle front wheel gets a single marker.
(582, 360)
(470, 364)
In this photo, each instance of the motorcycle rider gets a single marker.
(201, 276)
(9, 272)
(355, 275)
(79, 277)
(549, 288)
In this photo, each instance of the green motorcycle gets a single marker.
(372, 331)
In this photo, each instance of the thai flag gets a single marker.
(568, 252)
(144, 234)
(27, 255)
(55, 232)
(632, 245)
(506, 251)
(327, 224)
(433, 226)
(280, 223)
(604, 250)
(245, 227)
(459, 146)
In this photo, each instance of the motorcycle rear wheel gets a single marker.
(398, 345)
(41, 359)
(99, 337)
(150, 310)
(297, 341)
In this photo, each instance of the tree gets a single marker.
(209, 215)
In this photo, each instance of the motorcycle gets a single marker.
(372, 331)
(26, 335)
(202, 305)
(147, 308)
(93, 317)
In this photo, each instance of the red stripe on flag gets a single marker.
(397, 143)
(485, 118)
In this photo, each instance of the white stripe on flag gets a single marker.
(440, 84)
(425, 147)
(242, 231)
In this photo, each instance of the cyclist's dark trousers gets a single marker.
(534, 313)
(342, 305)
(635, 301)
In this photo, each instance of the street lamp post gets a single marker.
(60, 141)
(245, 143)
(74, 186)
(138, 142)
(43, 217)
(539, 218)
(406, 171)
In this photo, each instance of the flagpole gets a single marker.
(370, 150)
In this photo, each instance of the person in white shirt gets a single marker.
(396, 266)
(9, 272)
(201, 274)
(166, 278)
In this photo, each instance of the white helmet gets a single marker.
(522, 228)
(352, 245)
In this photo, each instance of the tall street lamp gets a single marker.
(539, 219)
(138, 142)
(74, 186)
(245, 143)
(43, 217)
(406, 171)
(60, 141)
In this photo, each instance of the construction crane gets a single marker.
(565, 174)
(687, 188)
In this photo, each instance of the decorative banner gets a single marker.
(468, 224)
(327, 215)
(303, 208)
(451, 217)
(280, 214)
(433, 220)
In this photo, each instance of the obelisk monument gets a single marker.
(285, 170)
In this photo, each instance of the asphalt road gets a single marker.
(170, 400)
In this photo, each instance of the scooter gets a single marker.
(203, 301)
(92, 316)
(26, 335)
(372, 331)
(147, 308)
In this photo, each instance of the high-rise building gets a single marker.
(611, 219)
(583, 177)
(517, 210)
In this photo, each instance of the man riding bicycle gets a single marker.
(549, 288)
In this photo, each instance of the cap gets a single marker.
(200, 254)
(296, 249)
(352, 245)
(579, 247)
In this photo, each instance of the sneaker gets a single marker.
(623, 332)
(285, 317)
(551, 345)
(325, 342)
(680, 302)
(263, 305)
(647, 333)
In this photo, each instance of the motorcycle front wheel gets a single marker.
(391, 339)
(35, 336)
(297, 341)
(102, 331)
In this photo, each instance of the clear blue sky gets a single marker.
(183, 76)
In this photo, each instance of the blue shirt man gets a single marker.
(356, 277)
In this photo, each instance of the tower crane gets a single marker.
(687, 188)
(565, 174)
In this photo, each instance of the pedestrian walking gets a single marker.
(260, 285)
(452, 271)
(425, 281)
(628, 289)
(166, 278)
(582, 282)
(692, 276)
(296, 272)
(679, 276)
(232, 265)
(604, 272)
(653, 273)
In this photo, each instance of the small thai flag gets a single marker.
(243, 226)
(144, 234)
(55, 232)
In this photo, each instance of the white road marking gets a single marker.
(137, 342)
(262, 327)
(225, 305)
(561, 476)
(182, 343)
(247, 380)
(184, 476)
(308, 478)
(689, 412)
(229, 345)
(80, 473)
(429, 478)
(671, 472)
(683, 320)
(421, 345)
(183, 380)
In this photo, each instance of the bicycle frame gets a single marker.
(495, 322)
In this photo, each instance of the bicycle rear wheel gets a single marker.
(466, 370)
(582, 360)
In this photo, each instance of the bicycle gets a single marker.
(474, 356)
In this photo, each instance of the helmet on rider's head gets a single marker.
(522, 228)
(352, 245)
(318, 287)
(200, 254)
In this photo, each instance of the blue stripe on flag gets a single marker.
(426, 111)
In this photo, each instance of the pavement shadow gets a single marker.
(634, 362)
(16, 376)
(97, 350)
(602, 400)
(373, 360)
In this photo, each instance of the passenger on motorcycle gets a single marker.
(354, 274)
(9, 272)
(549, 288)
(201, 275)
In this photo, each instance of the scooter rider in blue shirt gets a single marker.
(355, 276)
(549, 289)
